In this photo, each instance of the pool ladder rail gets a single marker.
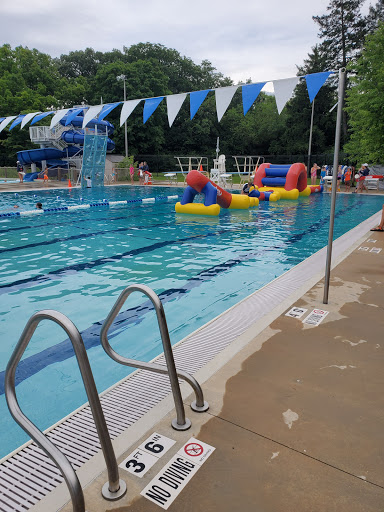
(114, 488)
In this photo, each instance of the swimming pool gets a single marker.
(78, 262)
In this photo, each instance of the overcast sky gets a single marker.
(261, 40)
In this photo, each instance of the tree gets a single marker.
(365, 102)
(375, 16)
(342, 32)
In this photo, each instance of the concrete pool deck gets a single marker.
(296, 415)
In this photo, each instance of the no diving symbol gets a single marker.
(193, 449)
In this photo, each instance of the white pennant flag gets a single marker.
(128, 107)
(223, 97)
(58, 117)
(174, 103)
(28, 118)
(6, 122)
(284, 90)
(92, 113)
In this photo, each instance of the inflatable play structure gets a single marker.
(271, 183)
(61, 145)
(214, 197)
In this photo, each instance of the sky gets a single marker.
(261, 40)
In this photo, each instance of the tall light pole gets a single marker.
(124, 78)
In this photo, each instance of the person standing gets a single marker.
(20, 171)
(141, 173)
(363, 172)
(132, 173)
(347, 179)
(314, 170)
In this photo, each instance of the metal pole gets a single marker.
(334, 182)
(114, 488)
(310, 139)
(125, 124)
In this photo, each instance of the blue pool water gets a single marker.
(78, 262)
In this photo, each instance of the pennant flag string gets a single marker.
(150, 106)
(315, 82)
(250, 93)
(58, 116)
(283, 90)
(42, 116)
(128, 107)
(27, 118)
(196, 98)
(17, 121)
(174, 103)
(71, 115)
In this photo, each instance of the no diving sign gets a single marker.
(172, 479)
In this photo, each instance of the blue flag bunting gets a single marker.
(250, 93)
(17, 121)
(314, 83)
(195, 100)
(71, 115)
(41, 116)
(150, 106)
(107, 109)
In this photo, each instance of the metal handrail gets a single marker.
(199, 405)
(114, 488)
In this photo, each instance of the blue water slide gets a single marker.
(71, 137)
(75, 138)
(77, 122)
(31, 156)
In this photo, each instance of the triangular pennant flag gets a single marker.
(91, 114)
(195, 100)
(128, 107)
(6, 122)
(58, 117)
(107, 109)
(283, 91)
(41, 116)
(224, 96)
(174, 103)
(16, 121)
(150, 106)
(71, 115)
(315, 81)
(249, 93)
(27, 118)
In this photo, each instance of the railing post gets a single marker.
(113, 489)
(199, 405)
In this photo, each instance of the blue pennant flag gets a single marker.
(41, 116)
(107, 109)
(250, 93)
(195, 100)
(71, 115)
(315, 81)
(17, 121)
(150, 106)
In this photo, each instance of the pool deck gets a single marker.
(296, 415)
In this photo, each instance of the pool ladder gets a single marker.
(114, 488)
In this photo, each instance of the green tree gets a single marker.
(375, 16)
(365, 102)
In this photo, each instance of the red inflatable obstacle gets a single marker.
(197, 181)
(288, 176)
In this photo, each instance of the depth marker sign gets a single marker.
(175, 475)
(147, 454)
